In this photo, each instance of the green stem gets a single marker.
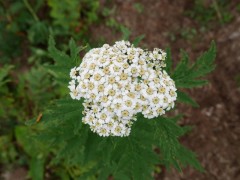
(30, 9)
(219, 15)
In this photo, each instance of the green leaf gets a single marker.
(172, 152)
(126, 33)
(137, 40)
(63, 63)
(37, 168)
(183, 97)
(187, 76)
(38, 33)
(59, 11)
(74, 51)
(4, 71)
(24, 135)
(205, 63)
(190, 83)
(133, 161)
(182, 68)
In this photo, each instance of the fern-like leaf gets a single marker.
(187, 76)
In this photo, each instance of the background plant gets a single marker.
(133, 157)
(206, 12)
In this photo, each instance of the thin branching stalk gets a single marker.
(30, 9)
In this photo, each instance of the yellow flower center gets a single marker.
(131, 95)
(93, 96)
(128, 103)
(123, 76)
(104, 99)
(100, 88)
(111, 80)
(149, 91)
(87, 76)
(97, 77)
(125, 65)
(155, 100)
(111, 92)
(172, 93)
(162, 90)
(116, 68)
(134, 70)
(138, 87)
(118, 129)
(91, 86)
(125, 113)
(92, 66)
(106, 70)
(156, 80)
(119, 60)
(103, 116)
(159, 110)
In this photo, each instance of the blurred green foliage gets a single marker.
(139, 7)
(73, 16)
(188, 33)
(206, 12)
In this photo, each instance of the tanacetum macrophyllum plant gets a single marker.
(113, 120)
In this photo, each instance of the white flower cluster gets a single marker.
(119, 81)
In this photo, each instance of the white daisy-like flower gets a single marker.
(119, 81)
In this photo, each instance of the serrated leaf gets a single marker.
(74, 51)
(126, 33)
(137, 40)
(190, 83)
(182, 67)
(187, 76)
(183, 97)
(63, 62)
(168, 133)
(204, 63)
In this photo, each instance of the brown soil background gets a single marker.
(216, 134)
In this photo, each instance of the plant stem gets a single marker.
(219, 15)
(30, 9)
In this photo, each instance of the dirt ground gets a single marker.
(216, 136)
